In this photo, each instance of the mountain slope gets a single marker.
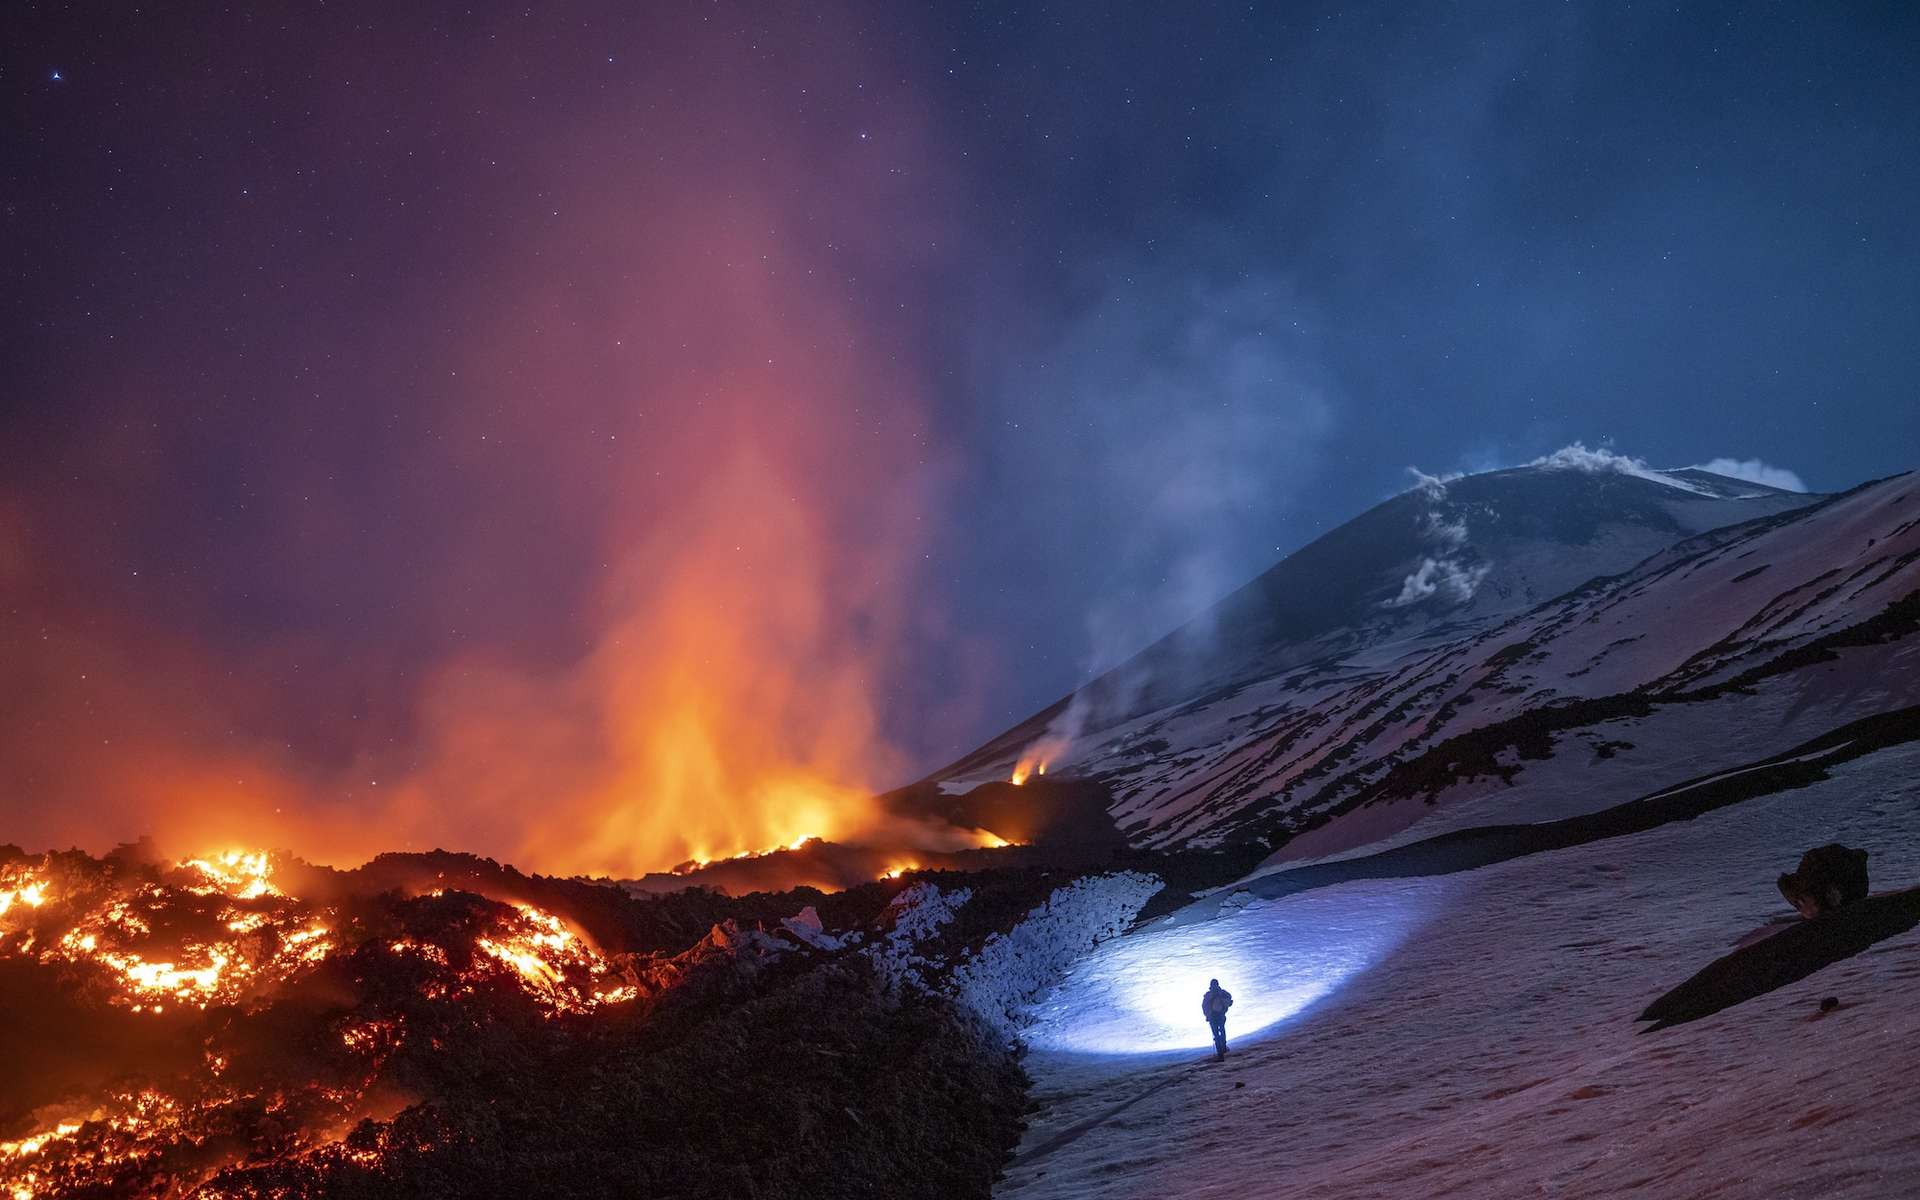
(1605, 628)
(1473, 1034)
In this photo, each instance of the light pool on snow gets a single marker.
(1141, 994)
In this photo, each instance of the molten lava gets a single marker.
(1035, 759)
(553, 963)
(207, 931)
(1026, 769)
(204, 947)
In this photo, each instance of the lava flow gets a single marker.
(175, 1019)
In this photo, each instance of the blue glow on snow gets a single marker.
(1141, 994)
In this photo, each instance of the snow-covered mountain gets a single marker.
(1518, 645)
(1519, 756)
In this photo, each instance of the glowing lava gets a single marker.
(170, 940)
(31, 894)
(240, 874)
(207, 931)
(553, 963)
(1036, 758)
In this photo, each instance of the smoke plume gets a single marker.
(588, 541)
(1194, 414)
(1445, 572)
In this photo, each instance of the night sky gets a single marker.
(391, 395)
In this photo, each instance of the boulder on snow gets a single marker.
(729, 939)
(1829, 877)
(1798, 950)
(807, 927)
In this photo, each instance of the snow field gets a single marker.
(1478, 1038)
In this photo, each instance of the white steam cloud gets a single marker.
(1453, 581)
(1444, 572)
(1578, 457)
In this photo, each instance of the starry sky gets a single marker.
(365, 362)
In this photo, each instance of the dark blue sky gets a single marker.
(323, 326)
(1473, 232)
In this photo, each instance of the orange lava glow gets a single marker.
(553, 963)
(118, 1128)
(1036, 758)
(218, 931)
(737, 467)
(169, 941)
(727, 711)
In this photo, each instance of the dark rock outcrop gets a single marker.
(1829, 877)
(1797, 951)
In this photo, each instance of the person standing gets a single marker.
(1214, 1006)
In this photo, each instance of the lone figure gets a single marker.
(1215, 1005)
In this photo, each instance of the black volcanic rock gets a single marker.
(1047, 811)
(444, 1042)
(1828, 877)
(1787, 957)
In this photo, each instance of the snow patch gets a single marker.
(1011, 969)
(917, 914)
(1578, 457)
(1493, 1052)
(1754, 471)
(1141, 994)
(806, 926)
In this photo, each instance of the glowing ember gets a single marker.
(31, 1145)
(1041, 754)
(218, 934)
(308, 1018)
(170, 940)
(110, 1136)
(552, 963)
(1026, 769)
(696, 863)
(237, 873)
(32, 895)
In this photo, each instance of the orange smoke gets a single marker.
(728, 707)
(1035, 759)
(668, 371)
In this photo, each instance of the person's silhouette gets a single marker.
(1214, 1006)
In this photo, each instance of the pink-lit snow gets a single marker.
(1474, 1034)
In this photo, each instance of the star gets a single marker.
(57, 77)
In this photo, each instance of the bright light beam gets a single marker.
(1141, 994)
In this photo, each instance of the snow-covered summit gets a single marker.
(1448, 553)
(1406, 659)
